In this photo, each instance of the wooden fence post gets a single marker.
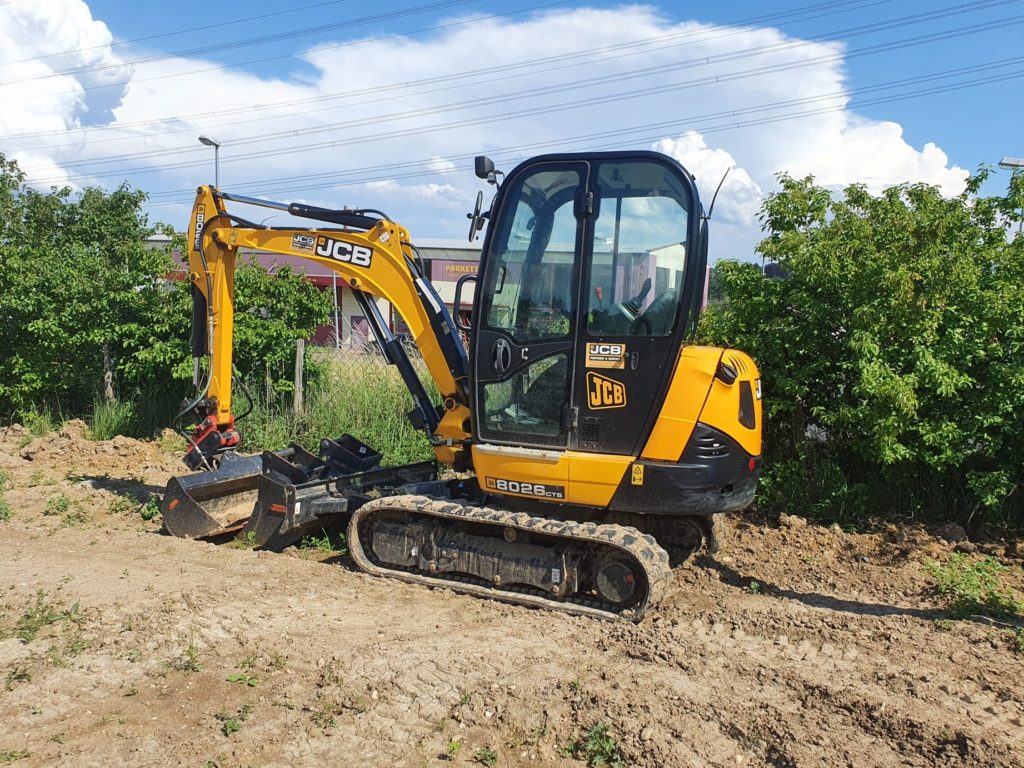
(300, 357)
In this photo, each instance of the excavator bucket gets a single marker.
(212, 503)
(275, 498)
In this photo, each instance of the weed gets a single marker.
(4, 480)
(974, 587)
(40, 614)
(485, 756)
(597, 748)
(9, 756)
(944, 625)
(58, 505)
(5, 510)
(465, 698)
(232, 723)
(754, 587)
(76, 645)
(246, 541)
(535, 735)
(324, 543)
(171, 442)
(17, 675)
(575, 685)
(245, 679)
(189, 659)
(151, 508)
(40, 478)
(76, 517)
(454, 747)
(1018, 639)
(108, 420)
(59, 738)
(23, 441)
(122, 505)
(131, 691)
(278, 662)
(38, 423)
(323, 715)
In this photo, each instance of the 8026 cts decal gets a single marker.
(526, 489)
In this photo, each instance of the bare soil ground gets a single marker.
(796, 646)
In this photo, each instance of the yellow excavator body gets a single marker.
(579, 422)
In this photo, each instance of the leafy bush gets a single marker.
(890, 351)
(82, 294)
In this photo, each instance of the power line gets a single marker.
(680, 37)
(215, 25)
(618, 144)
(438, 5)
(620, 96)
(362, 41)
(387, 171)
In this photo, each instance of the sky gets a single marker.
(383, 104)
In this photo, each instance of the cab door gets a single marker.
(638, 282)
(526, 319)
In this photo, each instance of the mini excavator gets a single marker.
(583, 428)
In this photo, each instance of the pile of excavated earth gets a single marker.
(796, 645)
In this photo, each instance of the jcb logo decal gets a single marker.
(357, 255)
(603, 392)
(603, 355)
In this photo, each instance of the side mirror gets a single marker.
(484, 167)
(476, 221)
(457, 304)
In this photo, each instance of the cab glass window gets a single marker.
(639, 250)
(533, 259)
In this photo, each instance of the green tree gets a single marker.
(84, 298)
(890, 352)
(74, 271)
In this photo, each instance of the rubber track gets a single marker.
(641, 547)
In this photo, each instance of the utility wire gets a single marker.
(409, 168)
(618, 143)
(204, 27)
(222, 67)
(603, 51)
(619, 96)
(438, 5)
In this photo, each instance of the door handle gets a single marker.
(501, 356)
(634, 360)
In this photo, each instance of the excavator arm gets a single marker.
(374, 258)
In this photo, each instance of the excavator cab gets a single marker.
(592, 266)
(591, 283)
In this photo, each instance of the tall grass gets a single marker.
(353, 392)
(109, 419)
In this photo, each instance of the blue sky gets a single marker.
(223, 77)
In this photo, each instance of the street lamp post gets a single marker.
(210, 142)
(1014, 164)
